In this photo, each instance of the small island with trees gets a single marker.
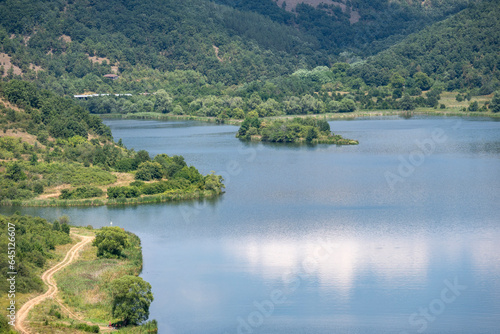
(308, 130)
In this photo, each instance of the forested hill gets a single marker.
(219, 42)
(231, 42)
(225, 58)
(364, 26)
(462, 52)
(53, 152)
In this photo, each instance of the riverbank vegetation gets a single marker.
(89, 289)
(94, 285)
(297, 130)
(53, 152)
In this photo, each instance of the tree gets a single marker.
(333, 106)
(189, 173)
(422, 81)
(15, 172)
(397, 81)
(148, 171)
(143, 156)
(311, 133)
(34, 159)
(495, 103)
(163, 102)
(474, 106)
(132, 297)
(407, 103)
(347, 105)
(110, 242)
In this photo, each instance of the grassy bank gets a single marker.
(159, 198)
(168, 117)
(84, 291)
(455, 111)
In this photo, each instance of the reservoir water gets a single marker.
(399, 234)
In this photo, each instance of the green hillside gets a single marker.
(231, 43)
(225, 58)
(53, 152)
(362, 26)
(462, 52)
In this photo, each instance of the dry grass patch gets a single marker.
(5, 61)
(25, 137)
(6, 103)
(53, 192)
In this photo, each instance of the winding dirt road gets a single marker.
(48, 278)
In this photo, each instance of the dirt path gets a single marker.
(48, 278)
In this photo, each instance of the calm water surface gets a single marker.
(397, 235)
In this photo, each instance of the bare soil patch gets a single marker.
(5, 61)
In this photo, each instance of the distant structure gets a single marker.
(86, 96)
(111, 76)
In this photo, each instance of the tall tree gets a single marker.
(132, 297)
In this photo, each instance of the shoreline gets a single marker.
(328, 116)
(150, 199)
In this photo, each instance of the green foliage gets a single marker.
(35, 241)
(74, 174)
(347, 105)
(148, 171)
(163, 186)
(422, 81)
(110, 242)
(308, 129)
(495, 103)
(15, 172)
(81, 192)
(170, 165)
(189, 173)
(407, 103)
(474, 106)
(132, 297)
(460, 52)
(61, 116)
(4, 325)
(123, 192)
(87, 328)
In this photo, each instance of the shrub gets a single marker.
(123, 192)
(110, 242)
(87, 328)
(81, 192)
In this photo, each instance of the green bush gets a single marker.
(110, 242)
(87, 328)
(123, 192)
(148, 171)
(81, 192)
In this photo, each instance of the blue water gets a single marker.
(396, 235)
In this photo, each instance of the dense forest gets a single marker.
(225, 58)
(257, 39)
(51, 144)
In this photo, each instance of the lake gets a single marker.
(399, 234)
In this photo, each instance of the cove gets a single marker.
(321, 239)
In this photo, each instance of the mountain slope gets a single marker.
(365, 26)
(165, 35)
(231, 42)
(52, 151)
(461, 51)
